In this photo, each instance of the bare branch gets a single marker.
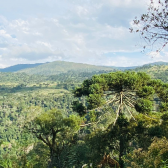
(85, 124)
(118, 111)
(129, 98)
(129, 111)
(153, 26)
(108, 102)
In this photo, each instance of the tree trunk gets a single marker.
(121, 162)
(51, 161)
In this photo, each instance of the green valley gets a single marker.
(68, 115)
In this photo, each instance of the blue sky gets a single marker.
(86, 31)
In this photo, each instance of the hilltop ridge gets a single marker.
(58, 67)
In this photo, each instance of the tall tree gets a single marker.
(125, 92)
(56, 131)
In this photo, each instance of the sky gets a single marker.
(84, 31)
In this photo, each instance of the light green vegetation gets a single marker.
(155, 71)
(46, 122)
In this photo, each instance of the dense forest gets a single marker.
(93, 118)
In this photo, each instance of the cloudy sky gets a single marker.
(86, 31)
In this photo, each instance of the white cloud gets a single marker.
(155, 55)
(4, 34)
(80, 31)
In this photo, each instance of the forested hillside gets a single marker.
(75, 118)
(22, 96)
(155, 71)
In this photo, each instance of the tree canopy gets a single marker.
(129, 89)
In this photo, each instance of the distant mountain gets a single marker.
(58, 67)
(125, 68)
(153, 67)
(145, 65)
(19, 67)
(156, 63)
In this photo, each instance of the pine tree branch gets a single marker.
(130, 104)
(129, 98)
(108, 102)
(129, 111)
(85, 124)
(118, 110)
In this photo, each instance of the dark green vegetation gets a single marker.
(109, 119)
